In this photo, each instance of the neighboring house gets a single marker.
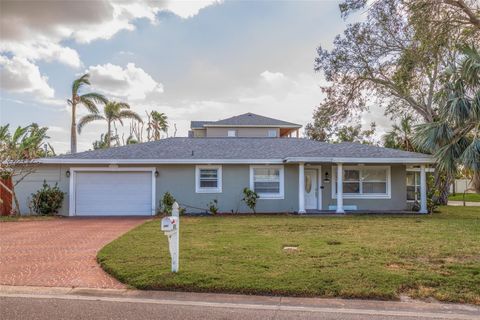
(289, 174)
(248, 125)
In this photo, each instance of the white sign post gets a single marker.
(171, 227)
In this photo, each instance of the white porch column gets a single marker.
(423, 190)
(301, 188)
(340, 188)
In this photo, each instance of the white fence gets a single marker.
(461, 185)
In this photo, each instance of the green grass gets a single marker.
(471, 197)
(379, 257)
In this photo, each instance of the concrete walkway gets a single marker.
(59, 252)
(467, 203)
(48, 303)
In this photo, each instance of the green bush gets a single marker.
(213, 207)
(167, 202)
(250, 197)
(48, 200)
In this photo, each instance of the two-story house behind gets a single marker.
(248, 125)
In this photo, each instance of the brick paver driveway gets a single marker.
(59, 252)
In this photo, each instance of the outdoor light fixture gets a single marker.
(156, 174)
(327, 179)
(67, 173)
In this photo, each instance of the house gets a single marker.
(248, 125)
(289, 174)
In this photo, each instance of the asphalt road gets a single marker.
(94, 307)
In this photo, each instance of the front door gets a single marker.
(311, 189)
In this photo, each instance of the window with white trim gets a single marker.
(232, 133)
(413, 185)
(267, 181)
(367, 182)
(272, 133)
(208, 179)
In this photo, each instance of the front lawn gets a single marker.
(470, 197)
(378, 257)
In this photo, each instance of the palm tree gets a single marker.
(401, 135)
(18, 151)
(113, 111)
(88, 100)
(158, 123)
(454, 138)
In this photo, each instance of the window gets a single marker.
(267, 181)
(232, 133)
(272, 133)
(208, 179)
(413, 185)
(369, 182)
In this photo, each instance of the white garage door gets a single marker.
(113, 193)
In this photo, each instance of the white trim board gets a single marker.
(238, 161)
(159, 161)
(359, 160)
(74, 170)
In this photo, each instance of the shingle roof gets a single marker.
(239, 148)
(199, 124)
(247, 119)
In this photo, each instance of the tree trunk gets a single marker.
(73, 130)
(109, 125)
(442, 184)
(17, 204)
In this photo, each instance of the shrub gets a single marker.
(48, 200)
(250, 197)
(213, 206)
(433, 194)
(167, 202)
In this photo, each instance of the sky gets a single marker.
(192, 60)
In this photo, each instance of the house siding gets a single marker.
(241, 132)
(180, 181)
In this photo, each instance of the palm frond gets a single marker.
(87, 119)
(123, 105)
(471, 155)
(4, 133)
(78, 83)
(89, 104)
(128, 114)
(95, 97)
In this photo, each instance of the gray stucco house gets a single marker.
(220, 158)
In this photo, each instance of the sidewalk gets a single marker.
(366, 308)
(460, 203)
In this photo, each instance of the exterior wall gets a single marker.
(199, 133)
(32, 183)
(398, 199)
(180, 181)
(215, 132)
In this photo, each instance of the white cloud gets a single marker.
(131, 82)
(42, 50)
(19, 75)
(273, 77)
(188, 9)
(36, 30)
